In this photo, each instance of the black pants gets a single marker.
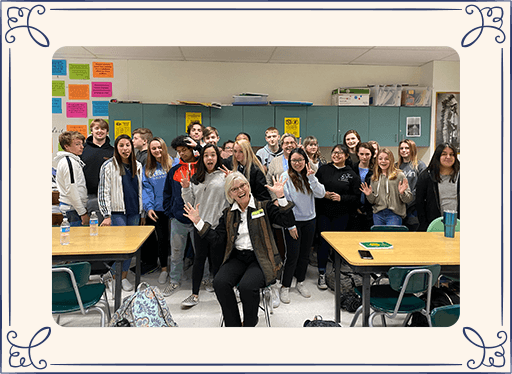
(240, 269)
(157, 246)
(297, 252)
(204, 249)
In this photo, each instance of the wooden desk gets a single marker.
(409, 249)
(115, 243)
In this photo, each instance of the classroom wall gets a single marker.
(167, 81)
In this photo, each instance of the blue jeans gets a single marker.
(121, 219)
(386, 217)
(72, 215)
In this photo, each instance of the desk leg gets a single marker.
(137, 269)
(337, 287)
(366, 298)
(119, 290)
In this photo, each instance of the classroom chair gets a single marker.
(71, 293)
(437, 225)
(388, 228)
(398, 297)
(445, 316)
(265, 305)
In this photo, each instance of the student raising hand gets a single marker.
(366, 189)
(402, 186)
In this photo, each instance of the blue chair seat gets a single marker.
(383, 298)
(66, 302)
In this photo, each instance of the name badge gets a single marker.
(257, 214)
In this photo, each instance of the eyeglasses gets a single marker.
(236, 189)
(337, 153)
(297, 161)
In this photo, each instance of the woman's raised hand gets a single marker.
(192, 213)
(309, 169)
(402, 186)
(225, 170)
(278, 186)
(366, 189)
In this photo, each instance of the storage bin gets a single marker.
(386, 95)
(416, 96)
(250, 99)
(350, 96)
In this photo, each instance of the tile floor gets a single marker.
(207, 312)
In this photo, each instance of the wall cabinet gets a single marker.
(386, 125)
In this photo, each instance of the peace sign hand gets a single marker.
(309, 169)
(225, 170)
(185, 179)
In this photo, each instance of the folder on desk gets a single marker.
(376, 245)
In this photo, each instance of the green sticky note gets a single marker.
(58, 88)
(79, 71)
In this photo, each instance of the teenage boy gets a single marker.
(71, 178)
(272, 149)
(211, 135)
(96, 151)
(196, 131)
(141, 138)
(181, 226)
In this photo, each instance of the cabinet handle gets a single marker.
(396, 138)
(334, 138)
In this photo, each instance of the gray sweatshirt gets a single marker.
(385, 195)
(210, 195)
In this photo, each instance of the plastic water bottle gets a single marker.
(93, 224)
(64, 232)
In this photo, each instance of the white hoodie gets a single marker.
(72, 188)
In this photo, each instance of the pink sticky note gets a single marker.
(101, 89)
(76, 110)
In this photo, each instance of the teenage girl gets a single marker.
(313, 151)
(351, 139)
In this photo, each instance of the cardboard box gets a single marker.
(350, 96)
(416, 96)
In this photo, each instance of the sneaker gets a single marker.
(321, 282)
(303, 290)
(275, 298)
(171, 287)
(163, 277)
(127, 286)
(208, 285)
(284, 294)
(190, 301)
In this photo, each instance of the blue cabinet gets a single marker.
(227, 121)
(416, 114)
(384, 125)
(256, 119)
(353, 118)
(322, 123)
(161, 120)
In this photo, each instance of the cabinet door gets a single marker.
(227, 121)
(353, 118)
(290, 114)
(423, 113)
(181, 115)
(124, 112)
(161, 120)
(322, 123)
(256, 119)
(384, 125)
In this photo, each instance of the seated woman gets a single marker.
(251, 258)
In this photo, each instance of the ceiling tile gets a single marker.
(138, 53)
(317, 55)
(72, 52)
(401, 56)
(228, 54)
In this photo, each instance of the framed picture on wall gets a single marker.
(447, 118)
(413, 129)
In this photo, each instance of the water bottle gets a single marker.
(93, 224)
(64, 232)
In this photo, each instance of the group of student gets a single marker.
(229, 200)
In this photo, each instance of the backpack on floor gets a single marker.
(145, 308)
(319, 322)
(349, 300)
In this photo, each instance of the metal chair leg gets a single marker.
(356, 316)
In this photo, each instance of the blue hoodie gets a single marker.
(173, 202)
(153, 189)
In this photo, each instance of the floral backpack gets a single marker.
(145, 308)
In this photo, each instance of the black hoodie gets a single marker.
(94, 156)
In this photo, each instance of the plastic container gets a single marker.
(65, 228)
(350, 96)
(250, 99)
(416, 96)
(386, 95)
(93, 224)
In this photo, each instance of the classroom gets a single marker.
(166, 89)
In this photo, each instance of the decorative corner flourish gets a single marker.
(12, 20)
(480, 29)
(500, 354)
(36, 341)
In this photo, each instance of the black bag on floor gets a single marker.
(319, 322)
(441, 296)
(350, 301)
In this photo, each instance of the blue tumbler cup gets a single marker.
(450, 221)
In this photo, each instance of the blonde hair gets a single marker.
(413, 153)
(318, 155)
(392, 170)
(166, 160)
(250, 158)
(232, 178)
